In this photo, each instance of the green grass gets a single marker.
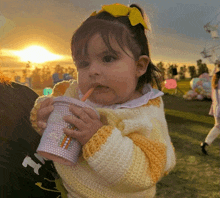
(195, 175)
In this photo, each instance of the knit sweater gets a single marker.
(125, 158)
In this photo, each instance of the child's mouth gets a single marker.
(101, 88)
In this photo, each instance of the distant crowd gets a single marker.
(41, 78)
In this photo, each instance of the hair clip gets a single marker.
(118, 10)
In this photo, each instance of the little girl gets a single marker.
(128, 150)
(214, 111)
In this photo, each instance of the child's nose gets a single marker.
(94, 69)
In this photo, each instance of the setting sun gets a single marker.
(36, 54)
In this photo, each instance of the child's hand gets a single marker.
(85, 120)
(43, 113)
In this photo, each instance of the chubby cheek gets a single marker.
(83, 89)
(83, 84)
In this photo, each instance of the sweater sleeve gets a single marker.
(133, 161)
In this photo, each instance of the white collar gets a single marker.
(147, 91)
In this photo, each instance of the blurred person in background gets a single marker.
(214, 111)
(23, 172)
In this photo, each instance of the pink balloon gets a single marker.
(205, 75)
(170, 84)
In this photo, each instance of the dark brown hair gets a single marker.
(125, 34)
(16, 102)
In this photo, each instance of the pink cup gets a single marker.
(54, 145)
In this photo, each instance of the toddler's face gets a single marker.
(114, 76)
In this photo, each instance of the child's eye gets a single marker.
(108, 58)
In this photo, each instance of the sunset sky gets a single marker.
(177, 34)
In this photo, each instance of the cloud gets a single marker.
(187, 19)
(6, 25)
(171, 47)
(177, 27)
(2, 20)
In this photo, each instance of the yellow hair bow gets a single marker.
(118, 10)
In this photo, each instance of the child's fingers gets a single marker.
(79, 110)
(73, 120)
(92, 114)
(43, 113)
(41, 124)
(73, 133)
(46, 102)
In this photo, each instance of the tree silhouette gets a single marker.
(160, 65)
(170, 70)
(192, 71)
(36, 79)
(182, 72)
(201, 67)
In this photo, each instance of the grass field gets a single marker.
(195, 175)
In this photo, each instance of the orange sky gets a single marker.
(51, 24)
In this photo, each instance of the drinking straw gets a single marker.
(87, 94)
(66, 141)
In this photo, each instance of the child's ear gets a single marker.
(142, 65)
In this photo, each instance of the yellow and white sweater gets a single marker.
(125, 158)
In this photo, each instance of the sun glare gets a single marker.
(36, 54)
